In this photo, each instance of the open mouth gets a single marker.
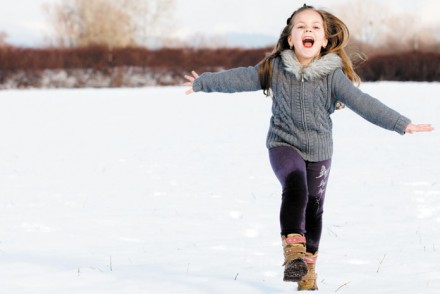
(308, 42)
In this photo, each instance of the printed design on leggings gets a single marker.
(323, 176)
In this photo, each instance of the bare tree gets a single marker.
(153, 21)
(365, 19)
(115, 23)
(3, 37)
(375, 24)
(405, 33)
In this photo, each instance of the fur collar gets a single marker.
(318, 68)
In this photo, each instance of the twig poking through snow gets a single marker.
(380, 263)
(235, 279)
(331, 232)
(340, 287)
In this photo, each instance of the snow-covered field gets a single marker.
(151, 191)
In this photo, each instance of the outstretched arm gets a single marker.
(241, 79)
(372, 109)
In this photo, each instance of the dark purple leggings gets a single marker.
(303, 183)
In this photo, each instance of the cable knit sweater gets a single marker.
(303, 100)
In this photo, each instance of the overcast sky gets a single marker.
(26, 25)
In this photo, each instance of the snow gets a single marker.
(151, 191)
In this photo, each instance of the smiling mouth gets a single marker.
(308, 42)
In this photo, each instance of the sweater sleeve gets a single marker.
(242, 79)
(366, 106)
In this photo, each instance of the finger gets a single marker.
(189, 91)
(425, 128)
(196, 75)
(189, 78)
(187, 84)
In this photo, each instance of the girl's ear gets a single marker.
(289, 40)
(324, 44)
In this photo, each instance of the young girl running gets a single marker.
(308, 75)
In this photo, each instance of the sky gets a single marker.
(243, 22)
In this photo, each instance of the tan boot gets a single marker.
(295, 267)
(308, 282)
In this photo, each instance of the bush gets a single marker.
(32, 66)
(409, 66)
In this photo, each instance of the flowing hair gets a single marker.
(335, 31)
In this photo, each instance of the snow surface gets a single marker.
(151, 191)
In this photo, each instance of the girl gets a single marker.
(308, 75)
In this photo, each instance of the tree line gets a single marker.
(166, 66)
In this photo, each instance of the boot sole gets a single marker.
(295, 270)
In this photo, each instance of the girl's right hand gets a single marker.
(190, 82)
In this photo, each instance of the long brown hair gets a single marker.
(337, 34)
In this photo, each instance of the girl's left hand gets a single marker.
(411, 128)
(190, 82)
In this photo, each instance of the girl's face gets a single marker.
(307, 36)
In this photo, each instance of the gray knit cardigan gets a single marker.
(303, 100)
